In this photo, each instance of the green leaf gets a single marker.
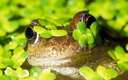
(101, 71)
(22, 73)
(82, 27)
(127, 47)
(1, 50)
(84, 71)
(1, 72)
(11, 45)
(111, 53)
(18, 63)
(47, 75)
(2, 65)
(46, 34)
(89, 74)
(17, 53)
(24, 55)
(83, 40)
(2, 32)
(119, 49)
(34, 71)
(11, 26)
(119, 52)
(91, 45)
(76, 35)
(39, 29)
(90, 39)
(5, 77)
(95, 28)
(111, 73)
(29, 78)
(10, 72)
(123, 65)
(51, 26)
(107, 74)
(8, 62)
(7, 54)
(59, 33)
(42, 22)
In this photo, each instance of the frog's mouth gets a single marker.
(76, 59)
(48, 62)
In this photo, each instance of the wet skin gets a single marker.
(63, 55)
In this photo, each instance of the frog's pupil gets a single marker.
(91, 19)
(29, 33)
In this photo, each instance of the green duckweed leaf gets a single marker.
(7, 54)
(83, 40)
(84, 71)
(18, 63)
(10, 72)
(95, 28)
(24, 55)
(90, 39)
(46, 34)
(11, 45)
(22, 73)
(42, 22)
(89, 74)
(1, 72)
(111, 73)
(76, 35)
(101, 70)
(2, 32)
(119, 49)
(39, 29)
(2, 65)
(91, 45)
(111, 53)
(17, 53)
(47, 75)
(119, 52)
(123, 65)
(11, 26)
(5, 77)
(1, 50)
(8, 62)
(106, 73)
(82, 27)
(19, 56)
(29, 78)
(51, 26)
(35, 71)
(127, 47)
(58, 33)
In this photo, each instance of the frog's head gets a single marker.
(56, 51)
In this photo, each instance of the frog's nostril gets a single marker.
(29, 33)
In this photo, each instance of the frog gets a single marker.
(64, 55)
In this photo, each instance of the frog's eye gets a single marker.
(87, 18)
(90, 20)
(32, 36)
(29, 33)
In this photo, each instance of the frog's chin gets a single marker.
(48, 62)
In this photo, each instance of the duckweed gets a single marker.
(16, 15)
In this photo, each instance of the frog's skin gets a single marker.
(64, 56)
